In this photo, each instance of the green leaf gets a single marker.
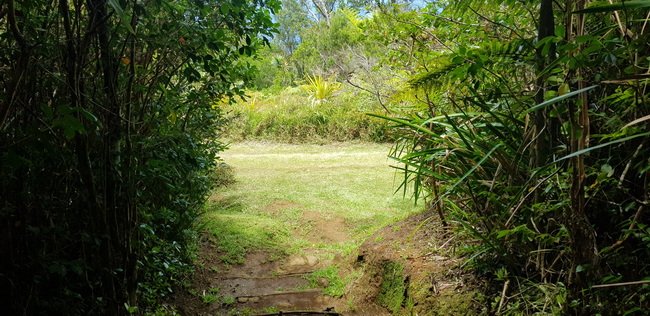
(418, 169)
(192, 74)
(116, 6)
(123, 16)
(558, 99)
(48, 111)
(225, 9)
(89, 116)
(586, 150)
(626, 5)
(172, 116)
(403, 122)
(585, 38)
(607, 169)
(503, 233)
(544, 41)
(632, 311)
(147, 229)
(70, 124)
(450, 189)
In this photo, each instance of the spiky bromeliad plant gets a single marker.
(320, 89)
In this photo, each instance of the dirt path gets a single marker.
(307, 277)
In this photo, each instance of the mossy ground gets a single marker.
(413, 268)
(392, 293)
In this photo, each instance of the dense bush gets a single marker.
(290, 115)
(108, 143)
(536, 146)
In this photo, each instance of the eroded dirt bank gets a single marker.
(429, 281)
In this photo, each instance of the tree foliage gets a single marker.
(518, 133)
(108, 140)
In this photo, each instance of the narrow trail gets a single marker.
(315, 205)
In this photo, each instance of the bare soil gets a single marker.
(325, 228)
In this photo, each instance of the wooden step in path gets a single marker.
(280, 286)
(304, 313)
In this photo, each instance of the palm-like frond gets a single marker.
(472, 61)
(320, 89)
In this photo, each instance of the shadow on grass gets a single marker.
(237, 233)
(231, 204)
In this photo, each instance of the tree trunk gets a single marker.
(542, 138)
(583, 239)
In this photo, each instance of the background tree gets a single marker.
(321, 10)
(291, 20)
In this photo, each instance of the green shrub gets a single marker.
(290, 116)
(320, 90)
(109, 144)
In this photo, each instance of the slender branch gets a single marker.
(600, 286)
(618, 21)
(534, 189)
(503, 295)
(645, 23)
(628, 165)
(423, 28)
(322, 8)
(619, 243)
(504, 26)
(376, 93)
(451, 20)
(13, 25)
(311, 12)
(21, 66)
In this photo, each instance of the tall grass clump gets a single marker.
(291, 115)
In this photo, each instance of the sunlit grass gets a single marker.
(276, 184)
(335, 286)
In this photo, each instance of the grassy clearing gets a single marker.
(276, 185)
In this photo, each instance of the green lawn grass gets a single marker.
(276, 183)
